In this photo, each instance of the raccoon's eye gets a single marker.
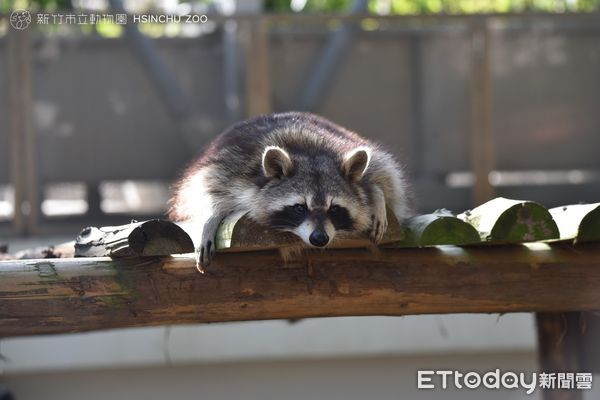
(334, 209)
(300, 208)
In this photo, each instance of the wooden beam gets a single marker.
(22, 142)
(258, 86)
(70, 295)
(481, 133)
(590, 328)
(139, 239)
(560, 349)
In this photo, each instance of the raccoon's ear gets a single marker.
(276, 162)
(356, 163)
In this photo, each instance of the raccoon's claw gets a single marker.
(378, 228)
(204, 255)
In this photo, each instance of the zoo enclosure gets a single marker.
(474, 106)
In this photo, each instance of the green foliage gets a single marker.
(35, 5)
(404, 7)
(277, 5)
(311, 5)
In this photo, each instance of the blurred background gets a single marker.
(98, 115)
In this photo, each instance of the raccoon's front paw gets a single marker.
(378, 226)
(204, 254)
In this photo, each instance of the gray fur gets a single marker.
(238, 175)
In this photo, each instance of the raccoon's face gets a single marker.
(317, 197)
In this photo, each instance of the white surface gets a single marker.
(271, 340)
(362, 378)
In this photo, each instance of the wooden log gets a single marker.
(147, 238)
(438, 228)
(506, 221)
(241, 234)
(578, 221)
(82, 294)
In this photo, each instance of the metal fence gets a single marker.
(93, 129)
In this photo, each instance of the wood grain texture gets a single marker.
(70, 295)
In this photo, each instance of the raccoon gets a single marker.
(295, 172)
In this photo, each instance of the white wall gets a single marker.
(332, 358)
(271, 340)
(372, 378)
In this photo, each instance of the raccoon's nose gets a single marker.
(318, 238)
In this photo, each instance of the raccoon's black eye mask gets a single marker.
(293, 216)
(300, 208)
(290, 216)
(340, 217)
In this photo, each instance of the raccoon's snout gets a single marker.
(318, 238)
